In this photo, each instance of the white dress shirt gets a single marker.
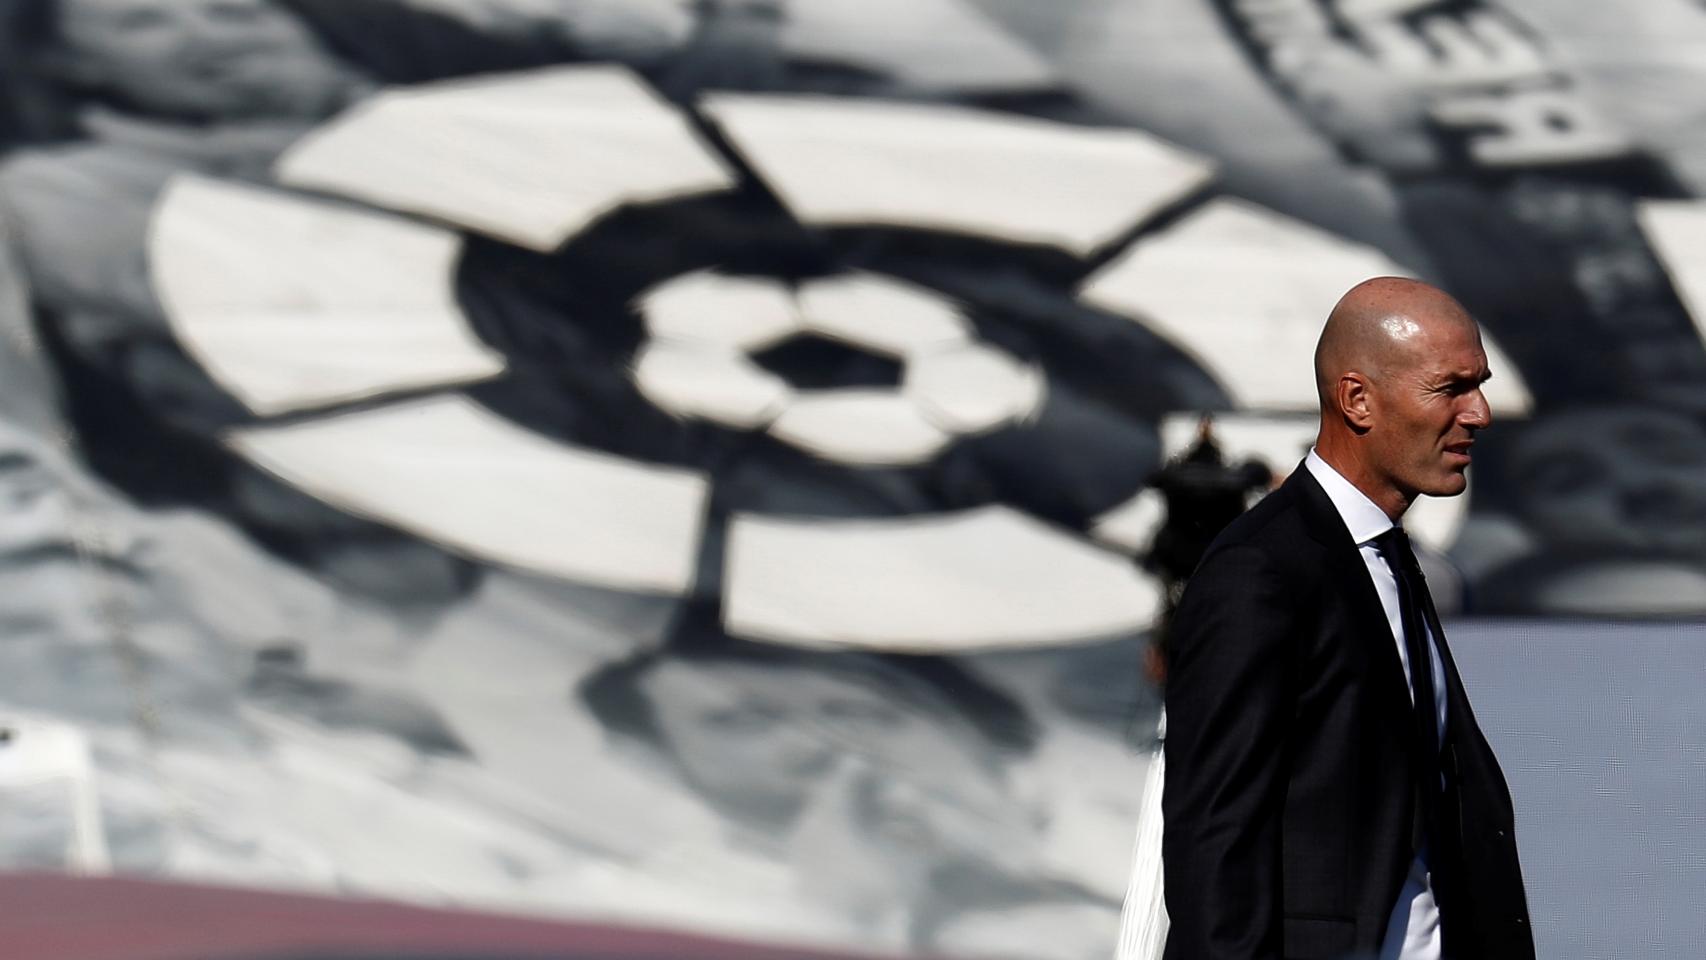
(1412, 933)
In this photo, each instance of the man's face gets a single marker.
(1428, 405)
(203, 59)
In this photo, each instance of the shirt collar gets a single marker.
(1362, 518)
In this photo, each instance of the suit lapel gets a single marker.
(1346, 568)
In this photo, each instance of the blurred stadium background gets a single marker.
(650, 478)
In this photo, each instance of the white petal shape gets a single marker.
(448, 470)
(709, 308)
(981, 579)
(1677, 231)
(882, 314)
(933, 44)
(854, 162)
(862, 427)
(717, 385)
(292, 303)
(531, 158)
(1131, 526)
(973, 388)
(1256, 330)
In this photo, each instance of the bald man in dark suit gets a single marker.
(1329, 793)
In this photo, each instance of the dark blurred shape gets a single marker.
(1204, 493)
(281, 682)
(735, 46)
(813, 362)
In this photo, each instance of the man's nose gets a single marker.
(1478, 415)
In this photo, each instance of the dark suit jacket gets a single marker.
(1290, 790)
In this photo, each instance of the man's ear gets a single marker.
(1356, 401)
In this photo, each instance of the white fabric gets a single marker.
(447, 469)
(868, 427)
(40, 750)
(974, 388)
(1143, 920)
(1130, 527)
(1412, 933)
(720, 385)
(531, 157)
(708, 309)
(883, 314)
(837, 161)
(292, 303)
(983, 579)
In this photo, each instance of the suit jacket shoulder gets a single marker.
(1284, 528)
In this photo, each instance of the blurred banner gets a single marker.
(691, 463)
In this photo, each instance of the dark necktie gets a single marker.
(1394, 545)
(1413, 603)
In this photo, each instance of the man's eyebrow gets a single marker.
(1457, 378)
(1479, 374)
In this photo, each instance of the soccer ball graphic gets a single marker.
(704, 331)
(868, 373)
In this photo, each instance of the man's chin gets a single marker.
(1451, 485)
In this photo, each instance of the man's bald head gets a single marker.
(1377, 328)
(1399, 369)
